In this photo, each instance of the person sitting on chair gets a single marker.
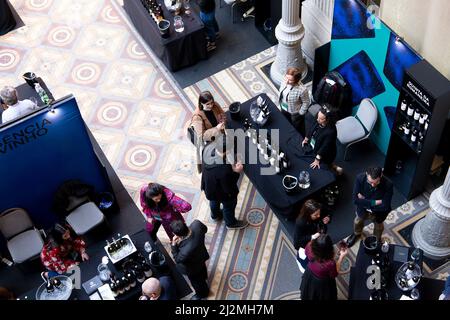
(372, 195)
(16, 108)
(63, 249)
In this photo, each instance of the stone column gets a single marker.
(432, 234)
(317, 17)
(289, 33)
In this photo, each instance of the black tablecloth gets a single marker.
(429, 289)
(270, 186)
(7, 22)
(181, 49)
(97, 251)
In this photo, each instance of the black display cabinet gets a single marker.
(421, 115)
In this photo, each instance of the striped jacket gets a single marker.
(298, 100)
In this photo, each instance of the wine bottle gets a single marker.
(407, 129)
(49, 286)
(108, 247)
(147, 270)
(403, 105)
(126, 283)
(417, 115)
(285, 162)
(427, 123)
(410, 111)
(420, 142)
(414, 135)
(422, 119)
(160, 11)
(131, 278)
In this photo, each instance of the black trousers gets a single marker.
(156, 226)
(297, 121)
(198, 281)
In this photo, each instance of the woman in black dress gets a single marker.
(308, 226)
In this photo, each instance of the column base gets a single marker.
(432, 252)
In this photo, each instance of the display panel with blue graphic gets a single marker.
(41, 152)
(363, 77)
(350, 21)
(399, 58)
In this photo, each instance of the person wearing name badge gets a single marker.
(293, 98)
(321, 139)
(15, 107)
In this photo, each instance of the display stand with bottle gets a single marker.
(422, 111)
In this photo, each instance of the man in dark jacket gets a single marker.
(372, 196)
(190, 254)
(219, 182)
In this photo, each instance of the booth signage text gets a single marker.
(12, 141)
(418, 93)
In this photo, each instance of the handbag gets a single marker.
(192, 135)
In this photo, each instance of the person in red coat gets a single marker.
(63, 250)
(161, 206)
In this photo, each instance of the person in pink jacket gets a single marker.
(161, 206)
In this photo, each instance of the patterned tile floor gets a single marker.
(282, 278)
(138, 115)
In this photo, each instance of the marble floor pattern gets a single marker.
(139, 115)
(239, 83)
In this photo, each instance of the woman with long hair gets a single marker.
(319, 280)
(161, 206)
(62, 250)
(308, 226)
(209, 118)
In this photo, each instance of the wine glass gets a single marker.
(148, 247)
(187, 7)
(34, 100)
(178, 24)
(304, 180)
(415, 294)
(415, 255)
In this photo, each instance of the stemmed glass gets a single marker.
(187, 7)
(415, 294)
(148, 248)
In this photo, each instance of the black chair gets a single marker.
(317, 289)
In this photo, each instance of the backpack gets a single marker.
(334, 90)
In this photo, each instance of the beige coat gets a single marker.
(203, 127)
